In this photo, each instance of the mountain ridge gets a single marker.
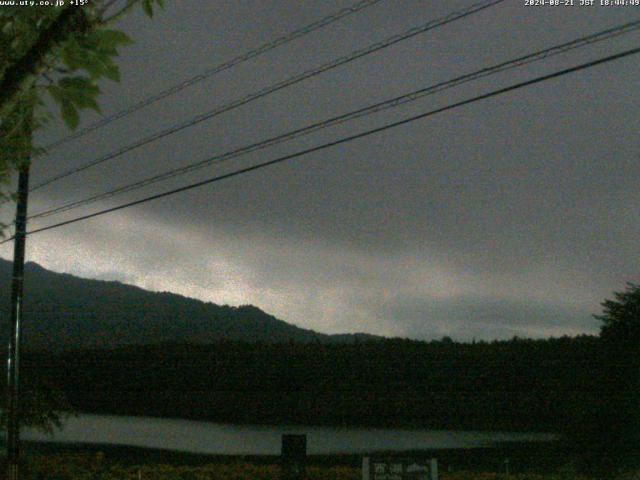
(64, 311)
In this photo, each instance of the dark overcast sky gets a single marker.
(516, 215)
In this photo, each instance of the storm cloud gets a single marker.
(512, 216)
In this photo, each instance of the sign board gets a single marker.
(399, 468)
(293, 456)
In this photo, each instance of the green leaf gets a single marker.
(80, 91)
(70, 114)
(55, 92)
(7, 28)
(72, 55)
(112, 72)
(80, 86)
(72, 94)
(93, 67)
(110, 39)
(147, 7)
(93, 53)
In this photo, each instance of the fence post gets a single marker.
(366, 462)
(293, 457)
(434, 469)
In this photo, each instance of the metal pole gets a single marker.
(13, 354)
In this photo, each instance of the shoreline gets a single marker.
(377, 426)
(209, 438)
(522, 456)
(327, 425)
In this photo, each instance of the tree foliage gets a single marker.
(61, 53)
(606, 431)
(43, 406)
(621, 317)
(620, 334)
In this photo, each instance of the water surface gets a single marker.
(226, 439)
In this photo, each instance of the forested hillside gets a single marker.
(64, 311)
(516, 385)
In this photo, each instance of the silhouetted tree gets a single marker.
(608, 430)
(621, 318)
(620, 334)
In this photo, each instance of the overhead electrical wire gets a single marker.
(387, 104)
(452, 17)
(251, 54)
(343, 140)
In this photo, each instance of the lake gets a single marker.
(225, 439)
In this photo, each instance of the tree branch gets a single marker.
(120, 13)
(106, 7)
(71, 20)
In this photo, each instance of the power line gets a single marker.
(278, 42)
(278, 86)
(387, 104)
(350, 138)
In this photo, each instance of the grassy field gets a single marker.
(122, 463)
(56, 461)
(96, 467)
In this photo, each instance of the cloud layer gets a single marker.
(513, 216)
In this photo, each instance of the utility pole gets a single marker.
(13, 353)
(22, 137)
